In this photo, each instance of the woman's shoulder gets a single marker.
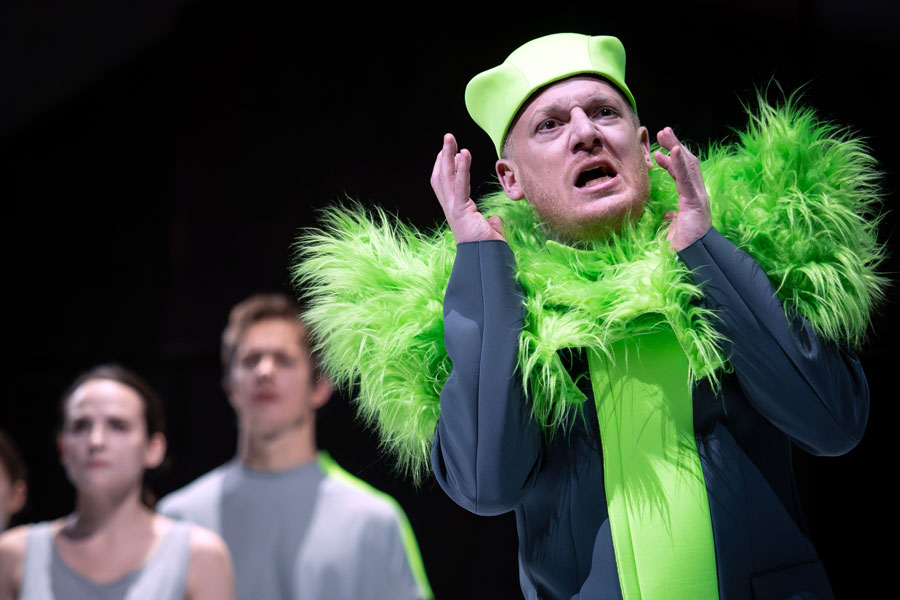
(14, 541)
(211, 574)
(204, 541)
(15, 538)
(201, 540)
(12, 557)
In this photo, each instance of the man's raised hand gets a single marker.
(692, 219)
(450, 182)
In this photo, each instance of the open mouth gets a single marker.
(594, 176)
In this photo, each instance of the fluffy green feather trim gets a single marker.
(797, 194)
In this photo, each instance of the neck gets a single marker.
(108, 515)
(278, 450)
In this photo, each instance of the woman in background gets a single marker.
(114, 545)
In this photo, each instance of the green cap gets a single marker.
(494, 97)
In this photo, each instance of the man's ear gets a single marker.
(506, 173)
(321, 393)
(644, 139)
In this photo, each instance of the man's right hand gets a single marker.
(450, 182)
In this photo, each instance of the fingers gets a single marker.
(667, 138)
(693, 217)
(669, 141)
(678, 153)
(663, 160)
(436, 172)
(450, 181)
(444, 181)
(679, 159)
(680, 163)
(443, 164)
(448, 156)
(461, 187)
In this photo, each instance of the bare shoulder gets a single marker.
(13, 541)
(12, 557)
(211, 574)
(204, 541)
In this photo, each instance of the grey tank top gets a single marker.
(163, 577)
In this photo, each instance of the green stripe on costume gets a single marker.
(655, 490)
(410, 545)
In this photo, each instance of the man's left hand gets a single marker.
(692, 219)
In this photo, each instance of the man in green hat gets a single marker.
(661, 483)
(599, 347)
(566, 129)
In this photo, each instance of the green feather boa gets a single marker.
(797, 194)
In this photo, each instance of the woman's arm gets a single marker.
(12, 558)
(211, 574)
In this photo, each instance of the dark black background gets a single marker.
(158, 158)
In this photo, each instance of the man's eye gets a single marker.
(250, 360)
(79, 425)
(284, 360)
(606, 112)
(548, 125)
(119, 425)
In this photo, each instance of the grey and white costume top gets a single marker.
(312, 532)
(163, 577)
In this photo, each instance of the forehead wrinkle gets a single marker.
(565, 107)
(555, 107)
(609, 92)
(594, 97)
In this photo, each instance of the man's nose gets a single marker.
(584, 133)
(265, 366)
(98, 435)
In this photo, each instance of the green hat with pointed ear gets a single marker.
(494, 97)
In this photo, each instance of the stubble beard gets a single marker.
(605, 225)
